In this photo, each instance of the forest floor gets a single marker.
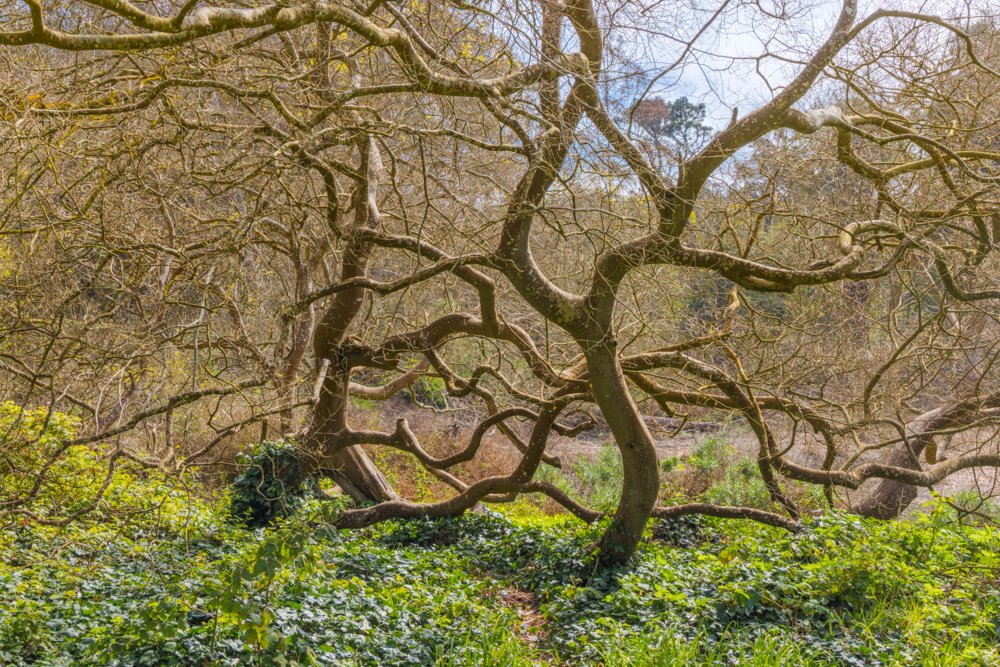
(160, 573)
(184, 585)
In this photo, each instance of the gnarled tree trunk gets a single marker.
(349, 465)
(890, 498)
(640, 466)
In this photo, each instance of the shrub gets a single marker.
(430, 392)
(972, 507)
(600, 479)
(671, 463)
(710, 453)
(271, 485)
(29, 439)
(78, 483)
(740, 485)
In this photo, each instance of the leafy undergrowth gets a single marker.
(185, 587)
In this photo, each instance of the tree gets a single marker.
(440, 189)
(680, 122)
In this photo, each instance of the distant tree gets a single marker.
(679, 124)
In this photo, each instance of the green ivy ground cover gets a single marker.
(182, 586)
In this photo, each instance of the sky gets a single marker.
(721, 70)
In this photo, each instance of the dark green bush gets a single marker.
(430, 392)
(272, 484)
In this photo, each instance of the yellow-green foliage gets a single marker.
(43, 478)
(7, 264)
(29, 441)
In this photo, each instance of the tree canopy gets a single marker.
(218, 216)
